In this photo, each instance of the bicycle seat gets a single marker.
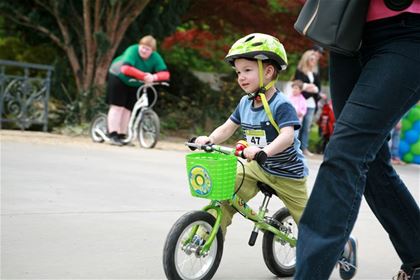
(266, 189)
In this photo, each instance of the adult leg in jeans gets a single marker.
(365, 117)
(382, 180)
(394, 207)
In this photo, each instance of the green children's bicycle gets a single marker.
(194, 245)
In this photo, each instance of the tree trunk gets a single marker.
(78, 27)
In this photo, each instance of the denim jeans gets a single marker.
(370, 93)
(306, 128)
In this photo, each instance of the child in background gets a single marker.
(297, 99)
(326, 123)
(394, 144)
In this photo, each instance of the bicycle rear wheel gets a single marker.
(181, 253)
(149, 129)
(279, 256)
(98, 126)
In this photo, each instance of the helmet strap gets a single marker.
(262, 89)
(261, 92)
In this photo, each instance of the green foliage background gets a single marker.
(187, 107)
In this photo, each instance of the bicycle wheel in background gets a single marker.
(182, 258)
(149, 129)
(279, 256)
(97, 126)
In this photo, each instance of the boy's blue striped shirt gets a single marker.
(289, 163)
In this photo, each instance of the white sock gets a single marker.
(347, 250)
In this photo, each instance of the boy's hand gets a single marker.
(203, 140)
(250, 152)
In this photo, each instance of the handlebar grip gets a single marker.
(193, 146)
(261, 157)
(192, 140)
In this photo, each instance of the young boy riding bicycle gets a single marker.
(269, 123)
(257, 59)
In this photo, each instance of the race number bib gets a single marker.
(256, 137)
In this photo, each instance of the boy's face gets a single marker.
(247, 71)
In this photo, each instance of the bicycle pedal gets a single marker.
(253, 238)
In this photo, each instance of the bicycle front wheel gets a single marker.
(279, 256)
(181, 255)
(98, 127)
(149, 129)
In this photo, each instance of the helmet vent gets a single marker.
(249, 38)
(257, 44)
(261, 56)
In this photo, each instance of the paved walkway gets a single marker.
(73, 209)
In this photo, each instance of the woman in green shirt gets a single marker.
(139, 64)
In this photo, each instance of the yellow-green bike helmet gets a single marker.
(258, 46)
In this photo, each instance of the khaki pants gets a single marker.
(292, 192)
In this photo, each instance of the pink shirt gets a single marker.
(378, 10)
(299, 102)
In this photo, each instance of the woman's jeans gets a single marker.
(370, 94)
(306, 128)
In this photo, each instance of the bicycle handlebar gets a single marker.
(260, 157)
(159, 83)
(150, 87)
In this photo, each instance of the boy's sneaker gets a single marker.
(413, 274)
(348, 262)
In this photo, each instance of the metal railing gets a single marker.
(24, 96)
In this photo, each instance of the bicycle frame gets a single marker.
(137, 112)
(247, 212)
(243, 208)
(141, 104)
(136, 115)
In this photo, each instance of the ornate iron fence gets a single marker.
(24, 93)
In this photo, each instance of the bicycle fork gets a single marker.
(214, 205)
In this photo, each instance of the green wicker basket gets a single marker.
(211, 176)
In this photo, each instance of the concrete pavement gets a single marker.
(71, 209)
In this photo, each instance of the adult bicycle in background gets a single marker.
(144, 123)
